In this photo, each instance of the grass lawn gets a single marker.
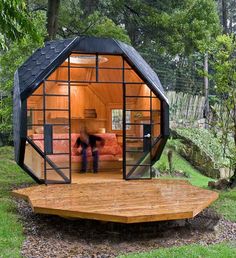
(180, 164)
(189, 251)
(226, 204)
(11, 230)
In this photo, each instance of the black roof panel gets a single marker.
(46, 59)
(142, 66)
(41, 59)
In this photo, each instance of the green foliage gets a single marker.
(207, 142)
(105, 27)
(10, 61)
(222, 250)
(171, 27)
(174, 144)
(15, 22)
(161, 166)
(11, 229)
(72, 22)
(223, 63)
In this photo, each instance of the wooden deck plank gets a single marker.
(113, 199)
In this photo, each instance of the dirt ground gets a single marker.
(52, 236)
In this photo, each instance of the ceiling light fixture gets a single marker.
(87, 59)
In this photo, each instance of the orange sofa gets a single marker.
(110, 155)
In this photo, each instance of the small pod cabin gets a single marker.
(100, 84)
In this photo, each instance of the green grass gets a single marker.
(222, 250)
(180, 164)
(11, 229)
(226, 204)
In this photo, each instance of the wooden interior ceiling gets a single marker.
(111, 90)
(82, 80)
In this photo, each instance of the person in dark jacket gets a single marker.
(86, 140)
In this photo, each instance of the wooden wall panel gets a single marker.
(83, 98)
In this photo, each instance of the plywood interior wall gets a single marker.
(102, 97)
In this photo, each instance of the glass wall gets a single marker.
(104, 94)
(48, 128)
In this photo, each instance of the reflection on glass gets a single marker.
(134, 158)
(138, 172)
(34, 161)
(62, 171)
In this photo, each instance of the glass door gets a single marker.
(57, 136)
(137, 133)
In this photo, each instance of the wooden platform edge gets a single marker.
(19, 194)
(113, 218)
(214, 197)
(24, 193)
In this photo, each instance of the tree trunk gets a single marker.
(230, 25)
(206, 90)
(88, 7)
(224, 16)
(233, 178)
(52, 19)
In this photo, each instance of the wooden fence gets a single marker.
(186, 109)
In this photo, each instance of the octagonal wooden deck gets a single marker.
(118, 200)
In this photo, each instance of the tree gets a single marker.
(223, 62)
(173, 27)
(227, 13)
(224, 16)
(10, 60)
(74, 20)
(52, 18)
(15, 22)
(89, 7)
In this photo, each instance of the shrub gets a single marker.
(207, 142)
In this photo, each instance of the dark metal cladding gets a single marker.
(165, 130)
(16, 116)
(48, 146)
(145, 71)
(46, 59)
(42, 63)
(160, 149)
(98, 45)
(165, 119)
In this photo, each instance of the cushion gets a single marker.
(110, 138)
(111, 146)
(107, 150)
(111, 150)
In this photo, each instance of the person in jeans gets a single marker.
(86, 140)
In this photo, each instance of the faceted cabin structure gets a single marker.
(101, 84)
(107, 87)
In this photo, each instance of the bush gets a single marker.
(207, 143)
